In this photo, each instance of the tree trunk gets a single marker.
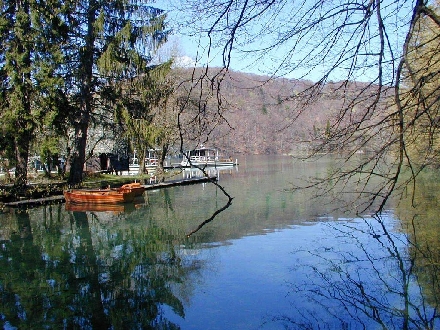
(78, 157)
(22, 156)
(165, 148)
(22, 102)
(81, 123)
(141, 159)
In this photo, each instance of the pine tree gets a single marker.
(140, 101)
(111, 41)
(30, 37)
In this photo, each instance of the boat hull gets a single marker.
(102, 196)
(134, 187)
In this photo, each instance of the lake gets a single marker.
(273, 259)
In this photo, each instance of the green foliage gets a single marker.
(123, 38)
(63, 63)
(328, 130)
(111, 55)
(140, 101)
(31, 85)
(279, 99)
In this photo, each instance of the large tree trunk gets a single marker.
(165, 148)
(22, 101)
(141, 159)
(78, 157)
(22, 156)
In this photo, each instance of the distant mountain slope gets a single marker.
(276, 116)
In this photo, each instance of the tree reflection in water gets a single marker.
(365, 276)
(75, 273)
(211, 218)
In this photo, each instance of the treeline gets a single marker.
(69, 67)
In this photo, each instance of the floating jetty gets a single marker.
(60, 198)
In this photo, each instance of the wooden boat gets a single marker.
(134, 187)
(99, 196)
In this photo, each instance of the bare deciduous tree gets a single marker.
(375, 49)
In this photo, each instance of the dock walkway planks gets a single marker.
(159, 185)
(182, 182)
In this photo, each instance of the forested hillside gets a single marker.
(280, 116)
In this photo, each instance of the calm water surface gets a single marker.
(272, 260)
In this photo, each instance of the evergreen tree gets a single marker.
(111, 42)
(140, 101)
(30, 37)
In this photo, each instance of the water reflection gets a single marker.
(366, 271)
(217, 212)
(421, 222)
(193, 257)
(81, 271)
(115, 208)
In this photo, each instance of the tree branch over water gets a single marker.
(384, 58)
(218, 211)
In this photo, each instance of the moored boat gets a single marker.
(99, 196)
(134, 187)
(205, 157)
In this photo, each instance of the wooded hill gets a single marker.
(281, 116)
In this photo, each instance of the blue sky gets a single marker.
(308, 61)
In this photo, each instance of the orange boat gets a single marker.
(135, 187)
(99, 196)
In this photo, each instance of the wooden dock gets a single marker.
(60, 198)
(181, 182)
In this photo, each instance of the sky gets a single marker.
(193, 49)
(308, 60)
